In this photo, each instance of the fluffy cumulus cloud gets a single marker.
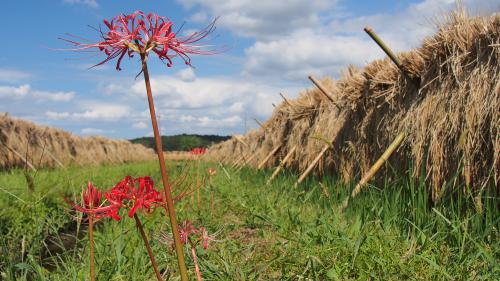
(203, 105)
(26, 92)
(293, 39)
(93, 111)
(261, 19)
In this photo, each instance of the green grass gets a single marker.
(275, 232)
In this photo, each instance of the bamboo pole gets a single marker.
(246, 162)
(389, 53)
(242, 162)
(375, 168)
(311, 166)
(282, 164)
(286, 101)
(268, 156)
(239, 138)
(237, 161)
(260, 124)
(322, 88)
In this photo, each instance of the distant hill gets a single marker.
(182, 142)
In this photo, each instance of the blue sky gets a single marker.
(274, 46)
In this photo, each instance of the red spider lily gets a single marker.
(91, 202)
(142, 33)
(198, 150)
(143, 197)
(135, 194)
(190, 235)
(91, 196)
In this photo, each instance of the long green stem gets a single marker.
(148, 247)
(164, 176)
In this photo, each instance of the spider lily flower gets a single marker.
(133, 194)
(91, 196)
(198, 151)
(191, 236)
(141, 33)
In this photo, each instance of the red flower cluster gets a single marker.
(142, 33)
(198, 150)
(187, 230)
(133, 194)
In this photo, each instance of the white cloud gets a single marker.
(10, 75)
(329, 48)
(261, 19)
(307, 52)
(25, 91)
(187, 74)
(90, 3)
(14, 92)
(57, 115)
(94, 112)
(187, 118)
(91, 131)
(209, 122)
(140, 125)
(236, 107)
(103, 112)
(53, 96)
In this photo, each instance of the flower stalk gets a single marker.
(163, 169)
(196, 266)
(148, 247)
(91, 246)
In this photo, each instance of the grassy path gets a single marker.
(271, 232)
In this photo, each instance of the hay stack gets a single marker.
(48, 147)
(451, 118)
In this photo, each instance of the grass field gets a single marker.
(274, 232)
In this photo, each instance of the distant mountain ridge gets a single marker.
(183, 142)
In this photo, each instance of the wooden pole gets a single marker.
(375, 168)
(311, 166)
(282, 164)
(268, 156)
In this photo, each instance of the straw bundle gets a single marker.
(451, 117)
(48, 147)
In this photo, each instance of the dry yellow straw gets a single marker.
(282, 164)
(374, 169)
(46, 150)
(260, 124)
(322, 89)
(311, 166)
(246, 162)
(22, 157)
(268, 156)
(285, 99)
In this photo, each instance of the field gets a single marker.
(267, 232)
